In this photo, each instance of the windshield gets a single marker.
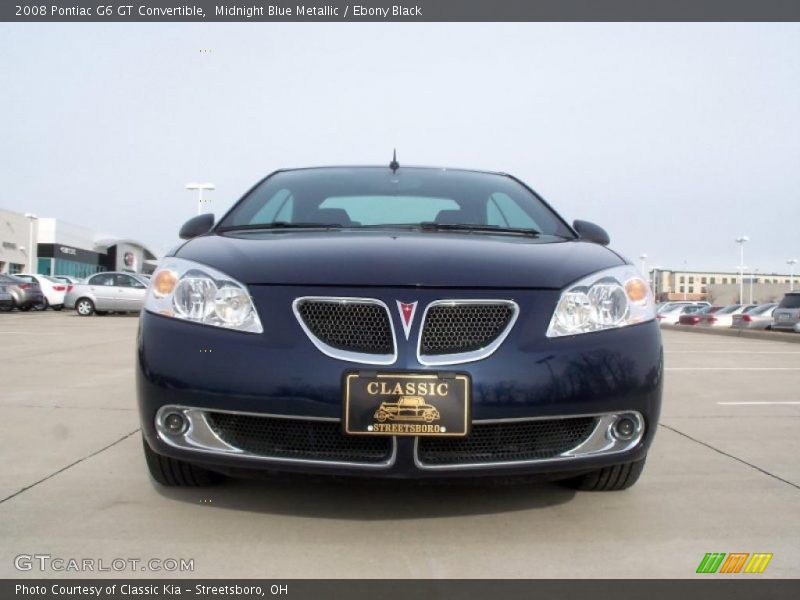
(376, 197)
(729, 309)
(759, 310)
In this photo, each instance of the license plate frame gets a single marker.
(424, 404)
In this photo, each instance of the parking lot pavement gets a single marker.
(722, 476)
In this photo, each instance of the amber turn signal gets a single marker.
(164, 282)
(636, 290)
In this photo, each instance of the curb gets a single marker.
(775, 336)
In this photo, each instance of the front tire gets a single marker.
(172, 472)
(608, 479)
(84, 307)
(57, 307)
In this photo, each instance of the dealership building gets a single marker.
(54, 247)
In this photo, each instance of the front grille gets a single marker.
(297, 439)
(455, 328)
(349, 325)
(511, 441)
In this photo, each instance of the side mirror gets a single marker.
(591, 232)
(196, 226)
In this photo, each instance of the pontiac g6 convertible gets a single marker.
(297, 331)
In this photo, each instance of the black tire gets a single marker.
(608, 479)
(42, 306)
(57, 307)
(84, 307)
(24, 307)
(177, 473)
(6, 307)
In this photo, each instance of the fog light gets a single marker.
(174, 423)
(625, 428)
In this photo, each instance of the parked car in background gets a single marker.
(724, 316)
(694, 318)
(787, 314)
(758, 317)
(669, 306)
(6, 301)
(107, 292)
(24, 294)
(52, 290)
(671, 315)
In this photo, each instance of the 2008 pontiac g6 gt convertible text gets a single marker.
(397, 322)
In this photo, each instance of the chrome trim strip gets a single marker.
(200, 438)
(464, 357)
(601, 442)
(356, 357)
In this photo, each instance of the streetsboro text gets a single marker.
(355, 11)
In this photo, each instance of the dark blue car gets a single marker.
(397, 322)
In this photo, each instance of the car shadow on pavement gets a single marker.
(373, 500)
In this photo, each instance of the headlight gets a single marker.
(189, 291)
(606, 300)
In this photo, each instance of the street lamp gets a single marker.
(791, 262)
(200, 187)
(643, 258)
(31, 218)
(741, 240)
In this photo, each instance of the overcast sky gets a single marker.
(676, 138)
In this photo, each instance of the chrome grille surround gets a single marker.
(601, 441)
(492, 343)
(362, 334)
(203, 436)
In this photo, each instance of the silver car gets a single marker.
(24, 294)
(107, 292)
(758, 317)
(787, 314)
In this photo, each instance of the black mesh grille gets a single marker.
(458, 328)
(297, 438)
(507, 442)
(352, 326)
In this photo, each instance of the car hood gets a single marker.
(418, 259)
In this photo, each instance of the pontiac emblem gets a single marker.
(407, 311)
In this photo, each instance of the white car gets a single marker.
(668, 306)
(724, 316)
(671, 314)
(52, 289)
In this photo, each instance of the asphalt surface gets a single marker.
(722, 476)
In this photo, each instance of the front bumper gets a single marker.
(280, 374)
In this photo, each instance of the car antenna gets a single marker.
(394, 165)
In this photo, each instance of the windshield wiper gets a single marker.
(279, 225)
(478, 228)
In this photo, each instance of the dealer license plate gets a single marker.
(421, 404)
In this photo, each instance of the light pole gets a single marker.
(643, 258)
(741, 240)
(791, 262)
(200, 187)
(31, 218)
(752, 276)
